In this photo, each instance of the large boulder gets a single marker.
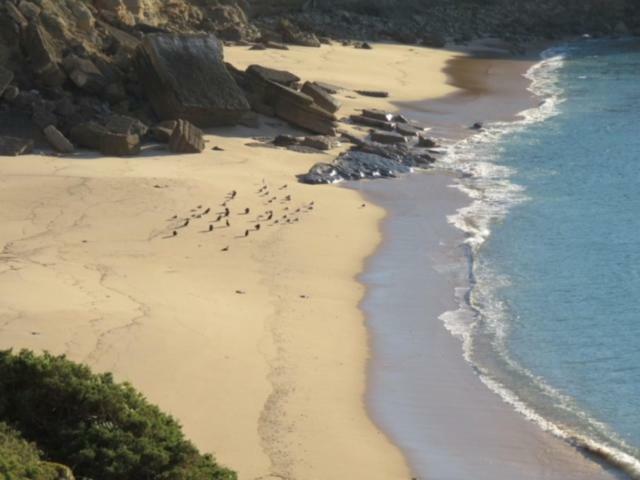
(119, 144)
(184, 76)
(321, 97)
(260, 73)
(186, 138)
(57, 140)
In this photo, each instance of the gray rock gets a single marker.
(321, 97)
(88, 135)
(425, 142)
(377, 114)
(276, 45)
(387, 137)
(119, 144)
(408, 130)
(372, 122)
(163, 130)
(124, 124)
(16, 15)
(6, 76)
(184, 76)
(11, 93)
(57, 140)
(373, 93)
(285, 140)
(84, 74)
(282, 77)
(14, 146)
(186, 138)
(292, 34)
(43, 57)
(320, 142)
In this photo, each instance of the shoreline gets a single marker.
(259, 351)
(495, 441)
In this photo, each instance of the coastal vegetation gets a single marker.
(99, 428)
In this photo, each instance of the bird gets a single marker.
(287, 198)
(228, 224)
(219, 218)
(246, 233)
(233, 194)
(211, 228)
(175, 234)
(186, 223)
(257, 227)
(225, 249)
(227, 212)
(283, 187)
(270, 216)
(206, 211)
(246, 211)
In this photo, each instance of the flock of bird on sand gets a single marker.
(223, 218)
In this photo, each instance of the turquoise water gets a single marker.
(554, 234)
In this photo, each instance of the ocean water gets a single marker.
(553, 234)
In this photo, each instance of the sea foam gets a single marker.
(493, 195)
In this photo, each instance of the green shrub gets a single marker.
(101, 429)
(21, 460)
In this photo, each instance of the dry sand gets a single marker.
(259, 351)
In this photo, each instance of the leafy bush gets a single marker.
(20, 460)
(101, 429)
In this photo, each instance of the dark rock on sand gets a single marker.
(408, 130)
(285, 140)
(372, 122)
(377, 114)
(186, 138)
(368, 160)
(373, 93)
(387, 137)
(320, 142)
(321, 97)
(476, 126)
(13, 146)
(57, 140)
(282, 77)
(184, 76)
(354, 165)
(291, 105)
(124, 124)
(88, 135)
(119, 144)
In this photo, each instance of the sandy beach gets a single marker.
(259, 351)
(255, 339)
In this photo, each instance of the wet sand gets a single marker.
(421, 390)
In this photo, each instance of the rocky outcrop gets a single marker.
(184, 76)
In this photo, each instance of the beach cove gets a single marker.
(257, 344)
